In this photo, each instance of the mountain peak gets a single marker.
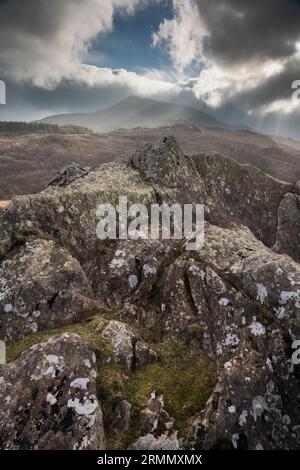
(136, 111)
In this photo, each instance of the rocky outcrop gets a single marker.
(48, 398)
(128, 349)
(288, 231)
(42, 287)
(149, 442)
(241, 194)
(172, 174)
(190, 344)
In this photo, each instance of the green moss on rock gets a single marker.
(88, 331)
(185, 381)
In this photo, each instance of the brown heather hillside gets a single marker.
(28, 162)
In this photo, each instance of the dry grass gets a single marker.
(29, 162)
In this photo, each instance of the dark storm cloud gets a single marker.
(246, 30)
(276, 87)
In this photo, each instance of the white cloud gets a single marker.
(136, 84)
(45, 41)
(183, 35)
(185, 38)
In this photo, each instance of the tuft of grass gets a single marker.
(185, 381)
(87, 331)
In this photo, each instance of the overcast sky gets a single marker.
(237, 58)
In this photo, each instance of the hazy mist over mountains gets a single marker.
(135, 112)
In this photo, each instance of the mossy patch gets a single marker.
(87, 331)
(185, 381)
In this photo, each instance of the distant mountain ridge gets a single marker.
(135, 112)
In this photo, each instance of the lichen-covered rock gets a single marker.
(48, 398)
(241, 194)
(130, 269)
(172, 174)
(128, 349)
(248, 303)
(68, 214)
(163, 442)
(69, 174)
(288, 231)
(270, 280)
(42, 287)
(155, 418)
(233, 306)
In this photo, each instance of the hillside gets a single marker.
(134, 112)
(28, 162)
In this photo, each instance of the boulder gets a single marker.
(150, 442)
(241, 194)
(48, 398)
(128, 349)
(42, 287)
(172, 174)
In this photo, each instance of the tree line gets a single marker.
(11, 127)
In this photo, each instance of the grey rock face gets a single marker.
(69, 174)
(172, 174)
(234, 304)
(42, 287)
(48, 398)
(288, 231)
(128, 349)
(163, 442)
(241, 194)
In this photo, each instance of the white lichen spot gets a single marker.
(286, 296)
(87, 407)
(119, 253)
(117, 263)
(257, 329)
(259, 446)
(51, 399)
(231, 340)
(8, 308)
(280, 312)
(235, 438)
(232, 409)
(262, 293)
(55, 363)
(148, 270)
(80, 383)
(219, 349)
(259, 406)
(224, 301)
(133, 281)
(243, 418)
(52, 359)
(228, 365)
